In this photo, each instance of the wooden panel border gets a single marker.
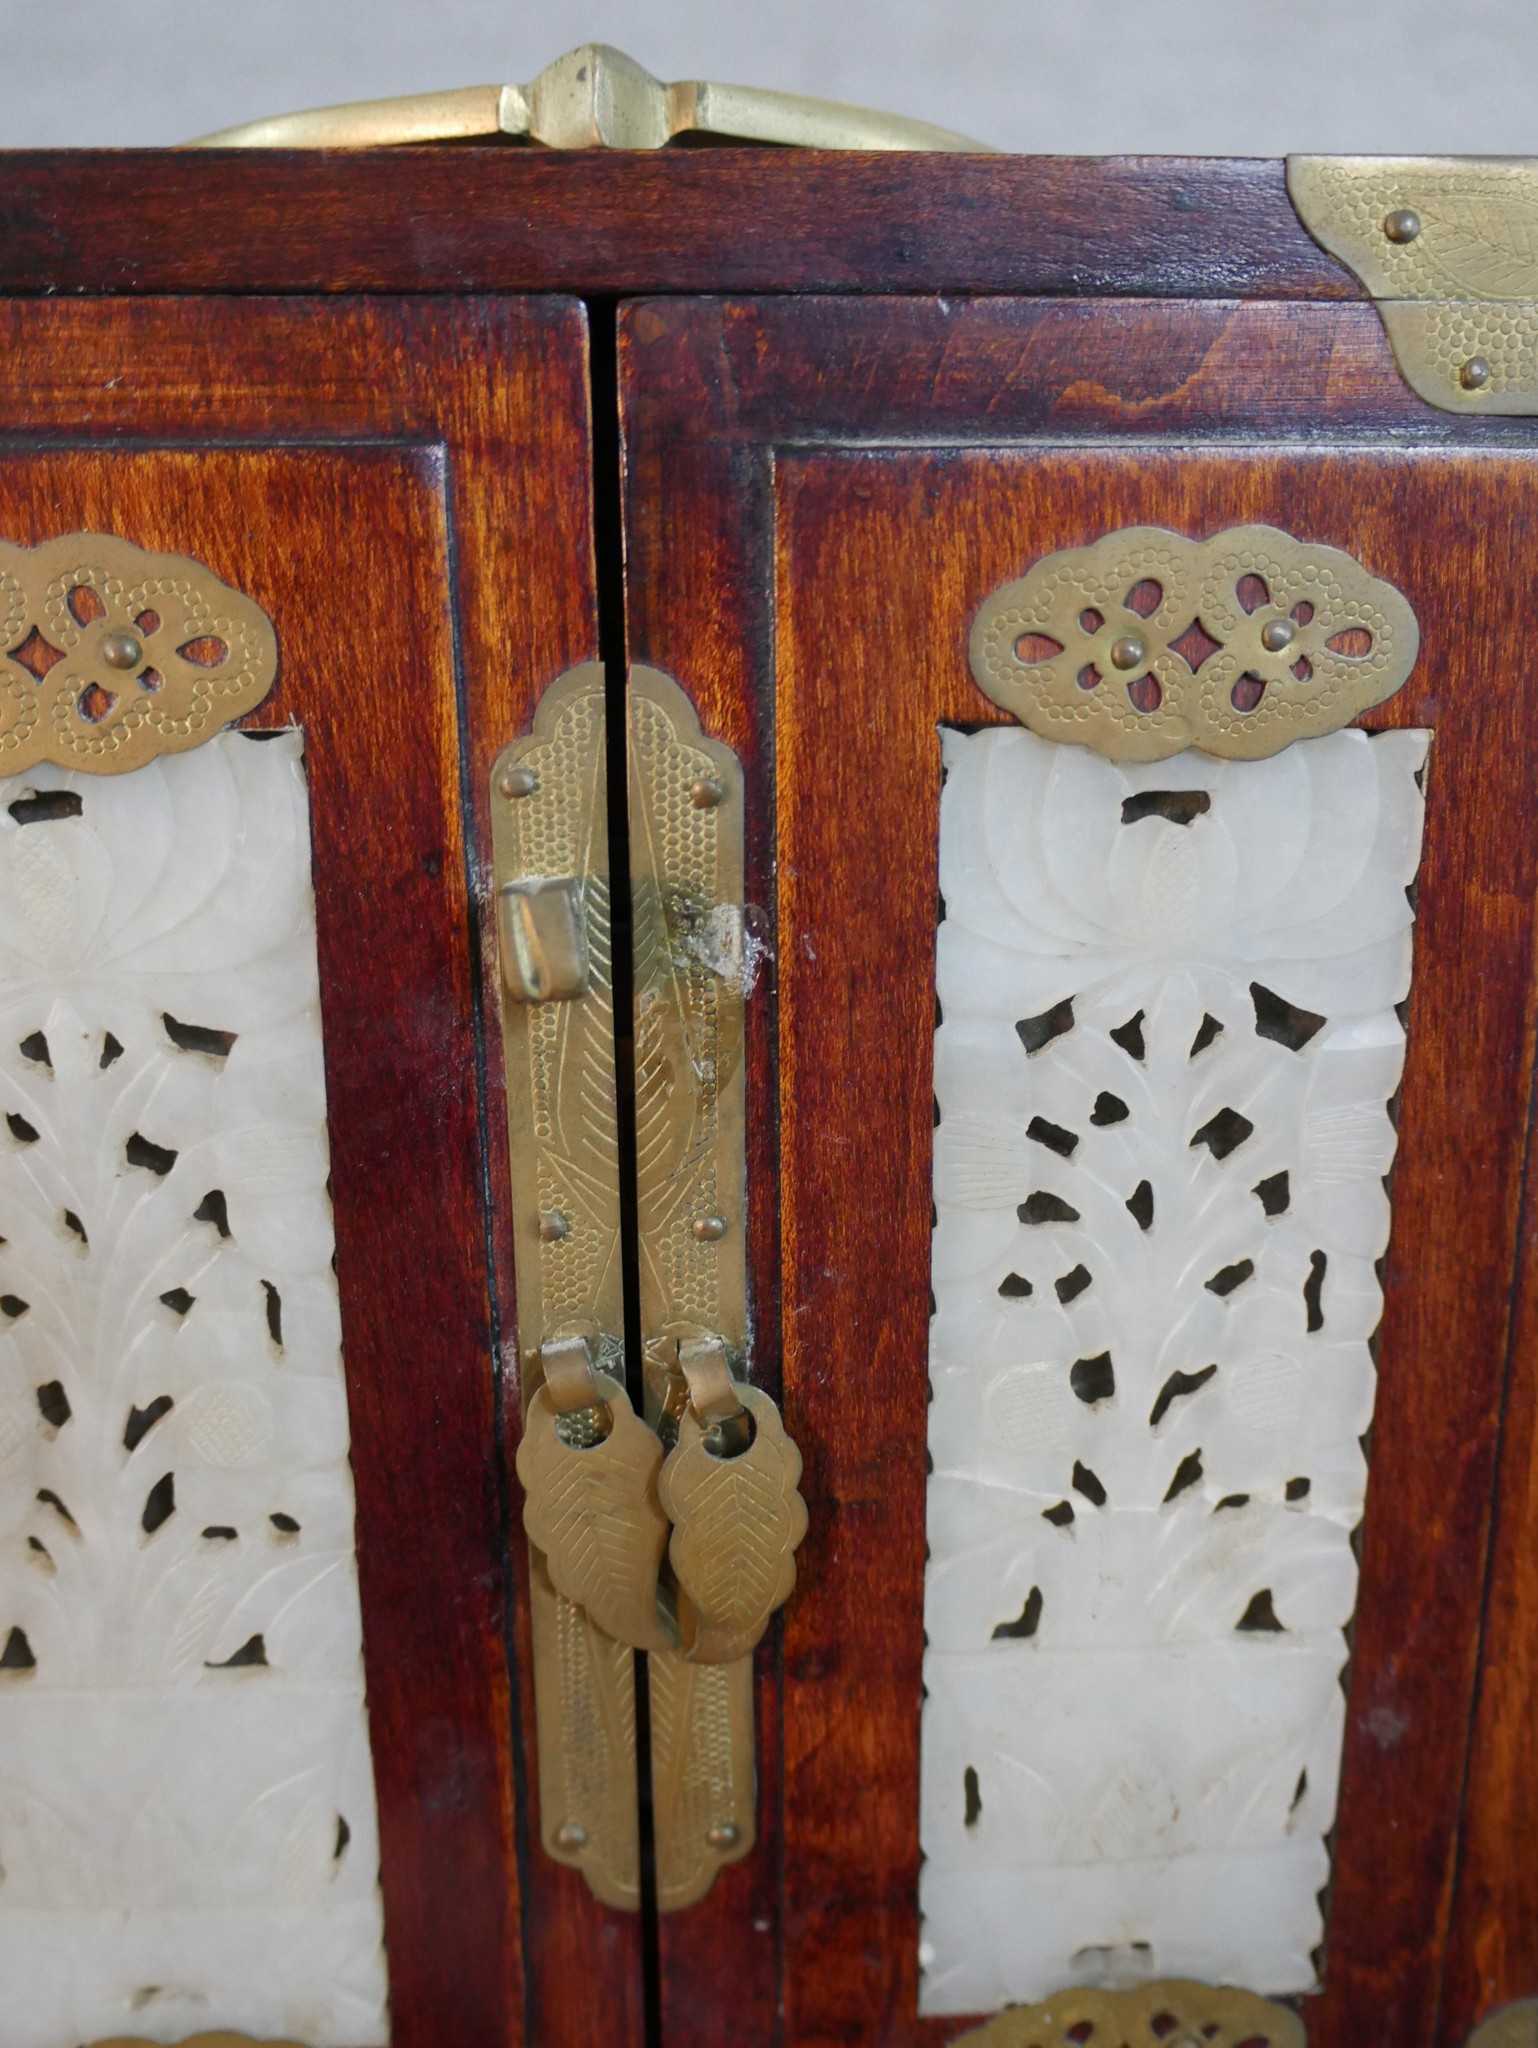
(494, 396)
(506, 219)
(710, 393)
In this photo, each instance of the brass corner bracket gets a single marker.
(1448, 248)
(594, 98)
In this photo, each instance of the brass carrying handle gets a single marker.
(594, 98)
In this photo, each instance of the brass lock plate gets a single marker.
(549, 813)
(601, 1506)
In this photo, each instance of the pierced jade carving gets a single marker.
(187, 1825)
(1169, 1040)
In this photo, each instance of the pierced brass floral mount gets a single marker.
(1145, 643)
(1172, 2014)
(111, 657)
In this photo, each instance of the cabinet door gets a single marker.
(257, 1269)
(1180, 1704)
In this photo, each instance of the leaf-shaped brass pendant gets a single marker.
(595, 1515)
(736, 1524)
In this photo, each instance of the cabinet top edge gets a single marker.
(473, 218)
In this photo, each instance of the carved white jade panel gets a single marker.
(187, 1824)
(1168, 1046)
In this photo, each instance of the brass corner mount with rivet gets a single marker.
(1448, 248)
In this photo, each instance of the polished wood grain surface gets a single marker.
(1493, 1945)
(405, 484)
(932, 536)
(502, 219)
(405, 489)
(829, 672)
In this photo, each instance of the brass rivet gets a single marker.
(122, 650)
(518, 782)
(553, 1226)
(1403, 224)
(709, 1229)
(570, 1835)
(1277, 634)
(1475, 374)
(1129, 650)
(724, 1835)
(706, 793)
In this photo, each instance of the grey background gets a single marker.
(1241, 77)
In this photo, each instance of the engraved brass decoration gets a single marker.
(594, 98)
(695, 962)
(1514, 2026)
(548, 812)
(111, 657)
(1172, 2014)
(736, 1524)
(703, 1783)
(1448, 247)
(592, 1509)
(599, 1512)
(548, 799)
(1145, 643)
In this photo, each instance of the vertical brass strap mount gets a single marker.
(671, 1532)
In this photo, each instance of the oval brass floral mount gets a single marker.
(1145, 643)
(1513, 2026)
(1171, 2014)
(111, 657)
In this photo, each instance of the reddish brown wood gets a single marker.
(882, 557)
(1493, 1942)
(405, 487)
(483, 219)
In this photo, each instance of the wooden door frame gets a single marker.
(713, 393)
(489, 1943)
